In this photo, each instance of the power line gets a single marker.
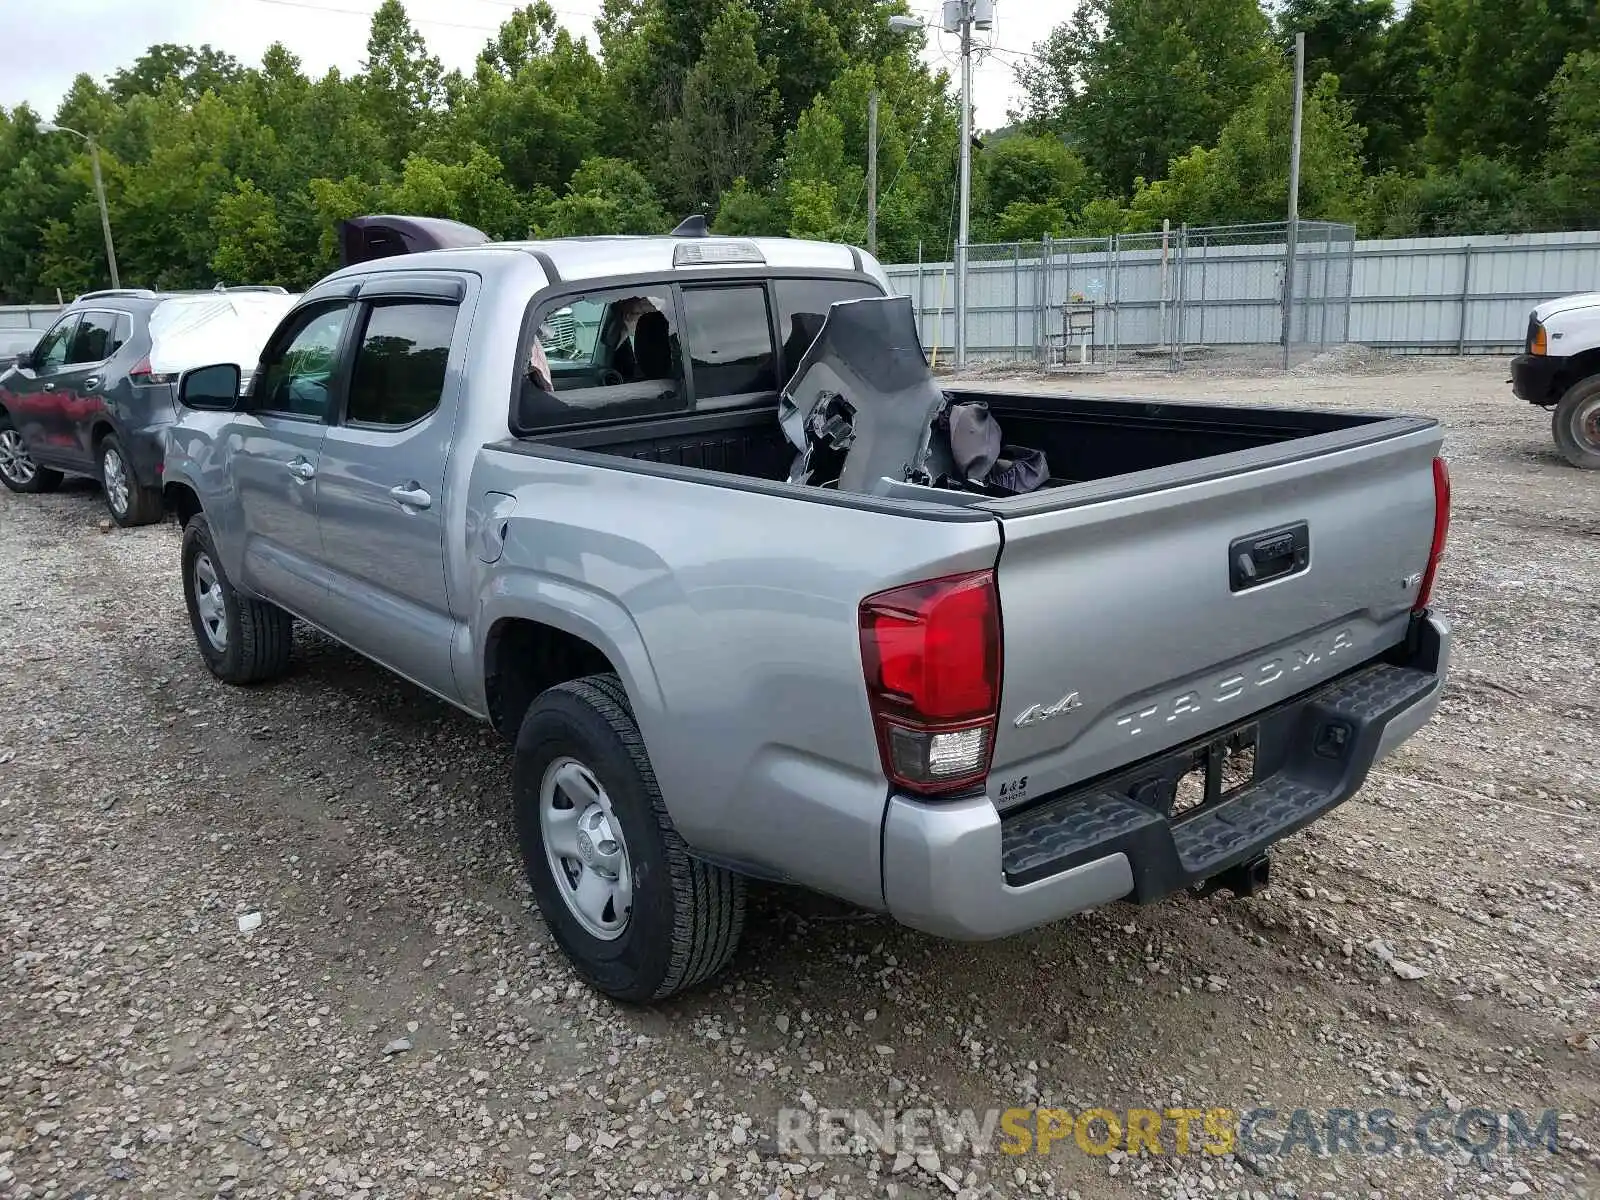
(416, 20)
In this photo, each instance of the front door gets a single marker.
(382, 490)
(275, 448)
(34, 399)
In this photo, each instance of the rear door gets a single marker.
(1132, 625)
(81, 382)
(275, 449)
(381, 489)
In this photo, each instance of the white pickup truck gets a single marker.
(975, 711)
(1559, 369)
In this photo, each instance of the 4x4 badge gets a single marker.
(1040, 713)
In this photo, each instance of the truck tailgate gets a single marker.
(1145, 611)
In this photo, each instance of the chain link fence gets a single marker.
(1157, 300)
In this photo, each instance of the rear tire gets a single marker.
(242, 640)
(675, 921)
(129, 501)
(1576, 424)
(18, 471)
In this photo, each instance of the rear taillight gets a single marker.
(931, 653)
(140, 372)
(1441, 530)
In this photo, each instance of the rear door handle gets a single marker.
(92, 382)
(411, 495)
(49, 387)
(301, 469)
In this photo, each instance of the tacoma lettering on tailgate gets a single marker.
(1235, 686)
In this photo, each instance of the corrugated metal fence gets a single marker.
(28, 316)
(1153, 298)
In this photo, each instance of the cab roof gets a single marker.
(585, 258)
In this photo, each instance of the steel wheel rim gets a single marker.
(1586, 425)
(16, 464)
(584, 846)
(208, 602)
(114, 478)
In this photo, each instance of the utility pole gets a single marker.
(99, 192)
(960, 16)
(872, 173)
(965, 7)
(1292, 236)
(105, 215)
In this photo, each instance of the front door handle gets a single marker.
(411, 495)
(49, 387)
(301, 469)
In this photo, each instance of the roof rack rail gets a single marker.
(273, 288)
(105, 292)
(694, 226)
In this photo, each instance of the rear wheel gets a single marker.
(130, 502)
(637, 915)
(18, 471)
(1576, 424)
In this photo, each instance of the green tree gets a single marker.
(402, 85)
(606, 195)
(474, 192)
(1380, 63)
(1494, 61)
(1572, 165)
(724, 127)
(1028, 186)
(748, 211)
(1245, 176)
(1134, 83)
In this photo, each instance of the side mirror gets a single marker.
(214, 388)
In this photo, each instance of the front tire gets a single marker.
(242, 640)
(18, 471)
(1576, 424)
(637, 915)
(130, 502)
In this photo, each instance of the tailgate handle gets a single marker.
(1259, 558)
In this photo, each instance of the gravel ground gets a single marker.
(400, 1024)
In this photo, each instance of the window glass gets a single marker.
(52, 349)
(297, 374)
(96, 338)
(803, 305)
(399, 371)
(603, 356)
(730, 340)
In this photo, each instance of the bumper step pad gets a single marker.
(1317, 749)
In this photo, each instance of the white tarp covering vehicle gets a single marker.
(232, 326)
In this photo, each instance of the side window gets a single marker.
(297, 372)
(96, 338)
(399, 372)
(603, 356)
(730, 341)
(52, 349)
(802, 307)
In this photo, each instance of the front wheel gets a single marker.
(1576, 424)
(130, 502)
(18, 471)
(637, 915)
(242, 640)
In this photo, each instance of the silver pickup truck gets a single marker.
(549, 482)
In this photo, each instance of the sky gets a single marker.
(48, 43)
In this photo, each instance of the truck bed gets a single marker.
(1085, 439)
